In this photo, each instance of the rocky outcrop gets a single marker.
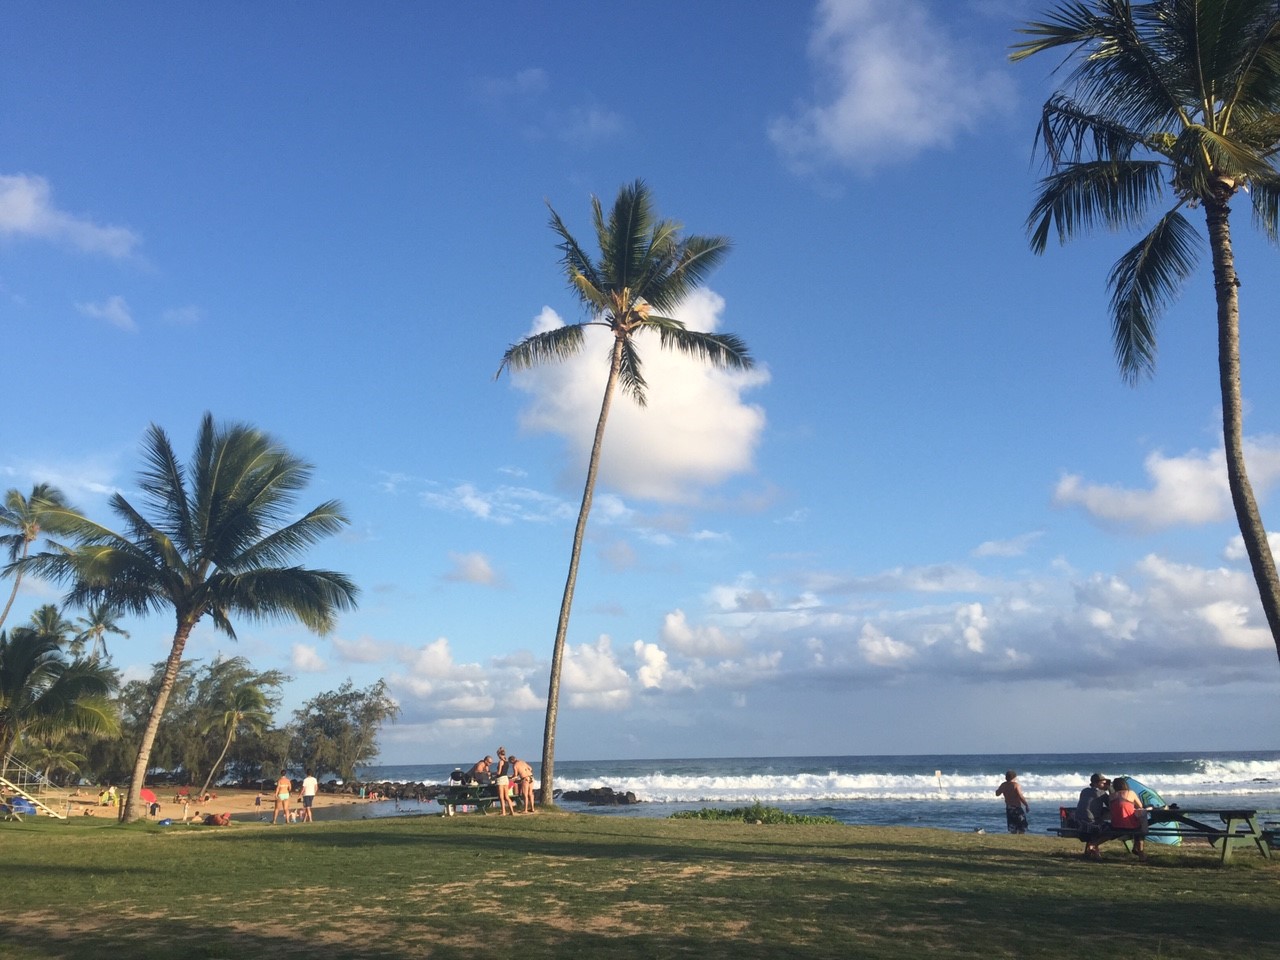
(600, 797)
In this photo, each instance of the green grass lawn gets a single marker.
(561, 885)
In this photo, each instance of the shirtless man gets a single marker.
(283, 786)
(524, 778)
(1016, 807)
(480, 773)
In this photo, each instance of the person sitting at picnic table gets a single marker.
(1093, 813)
(1127, 813)
(480, 773)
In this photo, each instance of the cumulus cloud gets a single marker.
(471, 568)
(695, 432)
(880, 649)
(113, 310)
(593, 678)
(701, 642)
(655, 671)
(1190, 489)
(894, 83)
(27, 210)
(306, 659)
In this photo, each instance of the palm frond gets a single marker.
(1143, 282)
(724, 350)
(576, 261)
(1264, 194)
(630, 378)
(164, 484)
(284, 544)
(1080, 196)
(559, 343)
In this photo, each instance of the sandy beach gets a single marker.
(223, 800)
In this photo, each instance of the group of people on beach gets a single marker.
(284, 790)
(1105, 805)
(512, 776)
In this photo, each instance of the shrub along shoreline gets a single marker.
(564, 885)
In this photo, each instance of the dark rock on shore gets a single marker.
(600, 797)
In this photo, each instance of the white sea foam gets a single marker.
(1216, 779)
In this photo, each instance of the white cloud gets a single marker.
(505, 504)
(592, 677)
(306, 659)
(895, 82)
(113, 310)
(1191, 489)
(655, 671)
(702, 642)
(1013, 547)
(695, 432)
(362, 650)
(882, 650)
(27, 210)
(471, 568)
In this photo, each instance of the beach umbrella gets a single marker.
(147, 794)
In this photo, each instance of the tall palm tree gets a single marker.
(43, 693)
(644, 271)
(28, 517)
(245, 709)
(216, 544)
(1173, 103)
(94, 627)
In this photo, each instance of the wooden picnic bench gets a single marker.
(1240, 827)
(482, 796)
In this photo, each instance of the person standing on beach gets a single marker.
(283, 786)
(1016, 807)
(524, 778)
(309, 787)
(503, 781)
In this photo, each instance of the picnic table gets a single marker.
(479, 795)
(1236, 826)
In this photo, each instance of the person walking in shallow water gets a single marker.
(1016, 807)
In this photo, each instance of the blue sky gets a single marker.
(932, 519)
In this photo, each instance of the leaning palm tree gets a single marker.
(28, 517)
(644, 271)
(94, 627)
(245, 710)
(216, 544)
(43, 693)
(1173, 103)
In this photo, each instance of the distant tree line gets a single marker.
(65, 714)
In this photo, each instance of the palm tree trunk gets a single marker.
(231, 735)
(133, 806)
(17, 580)
(1226, 289)
(566, 602)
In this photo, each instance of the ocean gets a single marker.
(946, 791)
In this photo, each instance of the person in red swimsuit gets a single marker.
(1127, 813)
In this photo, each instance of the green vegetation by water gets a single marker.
(756, 813)
(561, 885)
